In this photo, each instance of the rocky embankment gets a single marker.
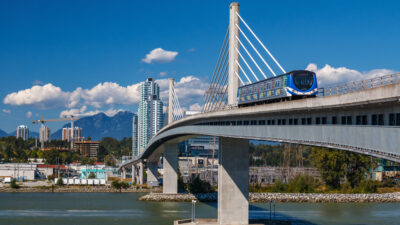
(72, 189)
(279, 197)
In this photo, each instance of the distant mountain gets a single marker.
(101, 125)
(32, 134)
(3, 133)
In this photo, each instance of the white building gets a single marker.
(45, 133)
(66, 133)
(23, 132)
(150, 113)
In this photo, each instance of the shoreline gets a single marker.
(73, 189)
(281, 198)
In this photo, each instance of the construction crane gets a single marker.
(43, 121)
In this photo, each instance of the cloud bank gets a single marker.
(159, 55)
(329, 75)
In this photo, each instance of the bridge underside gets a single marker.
(378, 141)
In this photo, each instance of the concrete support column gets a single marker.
(233, 181)
(170, 176)
(133, 174)
(123, 175)
(141, 173)
(233, 80)
(170, 101)
(152, 173)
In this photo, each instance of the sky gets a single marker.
(59, 58)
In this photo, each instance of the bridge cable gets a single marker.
(265, 48)
(221, 92)
(241, 81)
(254, 48)
(251, 57)
(216, 87)
(245, 62)
(244, 72)
(222, 52)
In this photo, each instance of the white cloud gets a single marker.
(191, 49)
(28, 114)
(329, 75)
(195, 107)
(189, 89)
(42, 97)
(160, 55)
(162, 74)
(6, 111)
(82, 112)
(37, 82)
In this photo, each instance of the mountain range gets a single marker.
(101, 125)
(96, 127)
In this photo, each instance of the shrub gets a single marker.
(302, 184)
(278, 186)
(60, 182)
(196, 185)
(14, 184)
(124, 185)
(91, 175)
(51, 177)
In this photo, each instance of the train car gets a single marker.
(289, 86)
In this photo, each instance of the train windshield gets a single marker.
(303, 80)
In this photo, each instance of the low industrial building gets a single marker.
(19, 171)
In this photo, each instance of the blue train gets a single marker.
(289, 86)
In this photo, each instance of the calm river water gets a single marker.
(124, 208)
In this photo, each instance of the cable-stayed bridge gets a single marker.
(361, 116)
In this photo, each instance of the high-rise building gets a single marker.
(23, 132)
(135, 152)
(150, 113)
(66, 133)
(45, 133)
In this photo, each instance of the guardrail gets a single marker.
(359, 85)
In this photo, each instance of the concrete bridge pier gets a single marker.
(123, 175)
(152, 173)
(139, 173)
(233, 181)
(170, 176)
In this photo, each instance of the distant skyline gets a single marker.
(59, 58)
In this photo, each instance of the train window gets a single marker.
(254, 122)
(233, 123)
(239, 123)
(268, 122)
(295, 121)
(277, 83)
(397, 119)
(309, 121)
(364, 120)
(349, 120)
(318, 120)
(303, 121)
(290, 121)
(323, 120)
(343, 120)
(334, 120)
(273, 122)
(249, 90)
(381, 120)
(246, 122)
(268, 85)
(374, 119)
(279, 122)
(261, 122)
(283, 121)
(392, 119)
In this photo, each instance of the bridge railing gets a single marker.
(359, 85)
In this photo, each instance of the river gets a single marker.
(124, 209)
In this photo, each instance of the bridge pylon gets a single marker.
(234, 70)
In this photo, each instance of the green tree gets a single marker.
(117, 185)
(331, 164)
(196, 185)
(60, 182)
(14, 184)
(91, 175)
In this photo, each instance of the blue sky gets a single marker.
(75, 46)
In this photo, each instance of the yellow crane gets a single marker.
(42, 121)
